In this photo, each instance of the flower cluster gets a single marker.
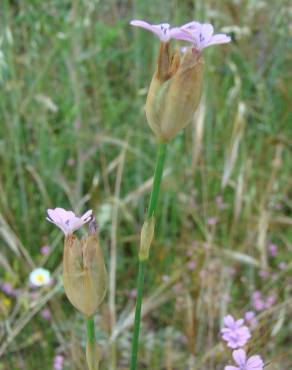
(235, 333)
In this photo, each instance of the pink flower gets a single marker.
(45, 250)
(46, 314)
(249, 315)
(67, 221)
(212, 221)
(191, 265)
(163, 30)
(201, 35)
(235, 333)
(7, 288)
(282, 265)
(252, 363)
(273, 249)
(58, 362)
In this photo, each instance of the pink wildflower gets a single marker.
(273, 249)
(201, 35)
(67, 221)
(282, 265)
(7, 289)
(191, 265)
(235, 333)
(252, 363)
(212, 221)
(46, 314)
(45, 250)
(58, 362)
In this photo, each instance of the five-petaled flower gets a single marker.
(40, 277)
(253, 363)
(67, 221)
(201, 35)
(235, 333)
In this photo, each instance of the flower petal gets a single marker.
(220, 38)
(161, 30)
(255, 363)
(228, 367)
(239, 357)
(228, 320)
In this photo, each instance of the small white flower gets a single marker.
(40, 277)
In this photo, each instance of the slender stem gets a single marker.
(160, 159)
(90, 330)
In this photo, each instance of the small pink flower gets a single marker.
(249, 315)
(264, 274)
(273, 249)
(7, 288)
(252, 363)
(201, 35)
(67, 221)
(45, 250)
(58, 362)
(163, 30)
(282, 265)
(235, 333)
(192, 265)
(270, 301)
(212, 221)
(133, 293)
(46, 314)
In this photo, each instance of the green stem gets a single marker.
(160, 159)
(90, 330)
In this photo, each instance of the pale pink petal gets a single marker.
(239, 357)
(66, 220)
(205, 34)
(60, 225)
(161, 30)
(220, 38)
(228, 320)
(239, 322)
(86, 216)
(231, 368)
(255, 363)
(191, 25)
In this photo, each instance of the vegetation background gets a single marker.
(74, 77)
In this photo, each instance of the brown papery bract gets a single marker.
(174, 92)
(85, 276)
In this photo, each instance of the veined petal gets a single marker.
(255, 363)
(205, 34)
(220, 38)
(239, 357)
(161, 30)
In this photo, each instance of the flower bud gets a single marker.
(147, 234)
(174, 92)
(84, 271)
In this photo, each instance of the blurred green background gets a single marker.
(73, 81)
